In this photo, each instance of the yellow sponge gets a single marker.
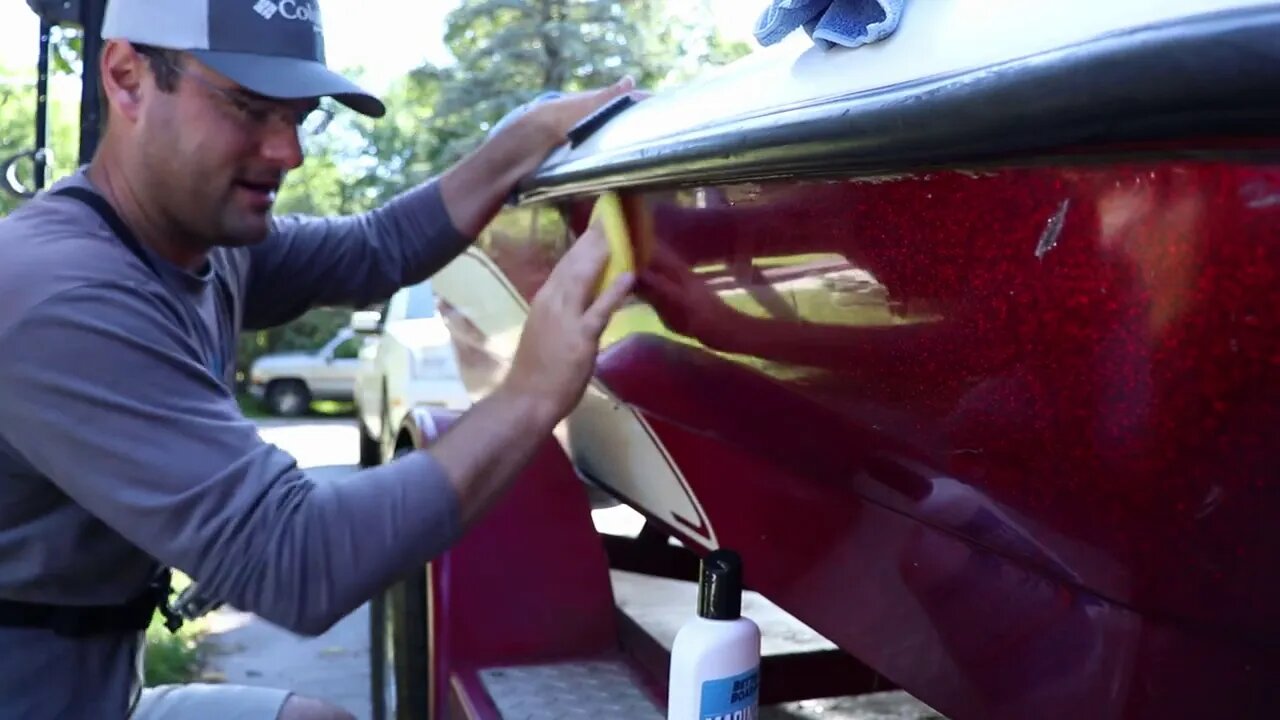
(613, 221)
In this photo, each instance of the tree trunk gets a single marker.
(554, 72)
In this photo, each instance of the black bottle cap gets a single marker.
(720, 586)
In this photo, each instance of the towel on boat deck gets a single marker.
(847, 23)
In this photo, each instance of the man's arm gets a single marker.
(145, 439)
(349, 260)
(475, 188)
(355, 260)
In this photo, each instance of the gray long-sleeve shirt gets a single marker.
(122, 446)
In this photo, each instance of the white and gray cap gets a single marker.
(271, 47)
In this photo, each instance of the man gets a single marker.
(122, 449)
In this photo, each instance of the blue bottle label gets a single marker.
(732, 698)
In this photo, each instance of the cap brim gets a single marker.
(290, 79)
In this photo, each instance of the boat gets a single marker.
(968, 341)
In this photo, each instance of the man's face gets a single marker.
(214, 155)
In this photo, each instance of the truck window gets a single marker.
(422, 302)
(349, 349)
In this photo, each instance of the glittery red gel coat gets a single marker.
(1010, 436)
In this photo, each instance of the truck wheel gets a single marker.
(399, 659)
(410, 666)
(288, 398)
(381, 692)
(369, 448)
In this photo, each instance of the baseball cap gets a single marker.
(271, 47)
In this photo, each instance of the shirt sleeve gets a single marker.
(349, 260)
(106, 398)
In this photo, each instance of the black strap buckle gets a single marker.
(162, 588)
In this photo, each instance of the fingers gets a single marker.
(585, 103)
(576, 273)
(609, 92)
(587, 258)
(607, 303)
(625, 85)
(589, 250)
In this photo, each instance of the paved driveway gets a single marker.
(248, 650)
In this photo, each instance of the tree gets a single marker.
(18, 134)
(409, 144)
(18, 112)
(510, 51)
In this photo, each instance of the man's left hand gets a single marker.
(553, 119)
(475, 188)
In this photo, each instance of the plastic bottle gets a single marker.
(715, 660)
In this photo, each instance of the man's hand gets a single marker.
(553, 119)
(475, 188)
(557, 350)
(489, 446)
(683, 301)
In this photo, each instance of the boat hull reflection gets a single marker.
(1011, 437)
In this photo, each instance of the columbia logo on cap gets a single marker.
(266, 8)
(302, 10)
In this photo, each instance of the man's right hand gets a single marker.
(494, 440)
(557, 351)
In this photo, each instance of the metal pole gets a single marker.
(91, 12)
(42, 104)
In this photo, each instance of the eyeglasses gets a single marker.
(258, 114)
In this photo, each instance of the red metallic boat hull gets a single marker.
(1010, 436)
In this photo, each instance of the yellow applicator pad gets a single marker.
(612, 217)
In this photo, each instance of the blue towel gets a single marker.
(848, 23)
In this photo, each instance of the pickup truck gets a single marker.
(288, 382)
(409, 362)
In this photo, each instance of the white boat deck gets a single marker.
(661, 606)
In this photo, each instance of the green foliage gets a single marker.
(173, 657)
(407, 146)
(319, 187)
(18, 133)
(66, 48)
(510, 51)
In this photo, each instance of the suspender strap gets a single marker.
(112, 219)
(86, 620)
(136, 614)
(109, 215)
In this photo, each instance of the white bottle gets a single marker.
(715, 660)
